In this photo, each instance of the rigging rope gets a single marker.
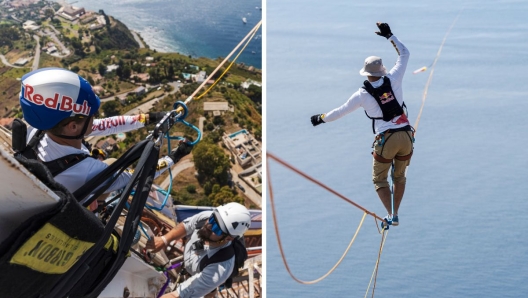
(251, 33)
(282, 162)
(429, 80)
(375, 272)
(275, 220)
(283, 255)
(231, 64)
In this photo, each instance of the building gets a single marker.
(30, 25)
(108, 144)
(200, 76)
(141, 76)
(139, 91)
(217, 107)
(244, 147)
(21, 62)
(249, 82)
(72, 13)
(111, 67)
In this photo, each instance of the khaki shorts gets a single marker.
(396, 144)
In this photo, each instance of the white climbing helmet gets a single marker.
(233, 218)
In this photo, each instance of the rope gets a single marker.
(227, 69)
(281, 249)
(226, 58)
(430, 79)
(282, 162)
(375, 273)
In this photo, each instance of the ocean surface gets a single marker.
(463, 229)
(200, 28)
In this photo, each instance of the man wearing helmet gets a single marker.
(207, 232)
(60, 107)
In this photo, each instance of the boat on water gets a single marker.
(25, 198)
(244, 20)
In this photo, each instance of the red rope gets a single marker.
(282, 162)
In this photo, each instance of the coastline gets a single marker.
(196, 33)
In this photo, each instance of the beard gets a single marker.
(204, 234)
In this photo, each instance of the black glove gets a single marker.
(385, 30)
(179, 152)
(317, 119)
(156, 116)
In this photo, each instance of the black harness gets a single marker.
(386, 100)
(30, 150)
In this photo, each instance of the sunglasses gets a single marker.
(215, 227)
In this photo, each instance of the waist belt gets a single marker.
(404, 128)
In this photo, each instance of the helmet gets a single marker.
(96, 152)
(233, 218)
(50, 95)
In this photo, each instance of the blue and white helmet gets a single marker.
(50, 95)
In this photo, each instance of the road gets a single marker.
(36, 59)
(136, 37)
(6, 63)
(176, 169)
(252, 195)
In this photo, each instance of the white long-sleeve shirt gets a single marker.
(362, 98)
(77, 175)
(213, 275)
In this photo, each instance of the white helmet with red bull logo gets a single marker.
(50, 95)
(233, 218)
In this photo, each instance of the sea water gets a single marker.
(199, 28)
(462, 226)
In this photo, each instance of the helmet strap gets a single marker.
(81, 135)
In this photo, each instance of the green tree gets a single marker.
(101, 68)
(111, 108)
(49, 13)
(224, 196)
(211, 163)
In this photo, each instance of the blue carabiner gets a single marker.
(181, 104)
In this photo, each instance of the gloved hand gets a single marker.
(156, 116)
(179, 152)
(317, 119)
(385, 30)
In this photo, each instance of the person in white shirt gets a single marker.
(382, 99)
(62, 105)
(212, 231)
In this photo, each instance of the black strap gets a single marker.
(60, 165)
(29, 151)
(147, 152)
(222, 255)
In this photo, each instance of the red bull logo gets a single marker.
(386, 97)
(57, 102)
(108, 123)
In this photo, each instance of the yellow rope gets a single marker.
(251, 33)
(375, 272)
(231, 64)
(430, 79)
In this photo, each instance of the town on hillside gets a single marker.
(132, 78)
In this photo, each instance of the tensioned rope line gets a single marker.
(430, 79)
(231, 64)
(251, 33)
(287, 165)
(283, 255)
(375, 272)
